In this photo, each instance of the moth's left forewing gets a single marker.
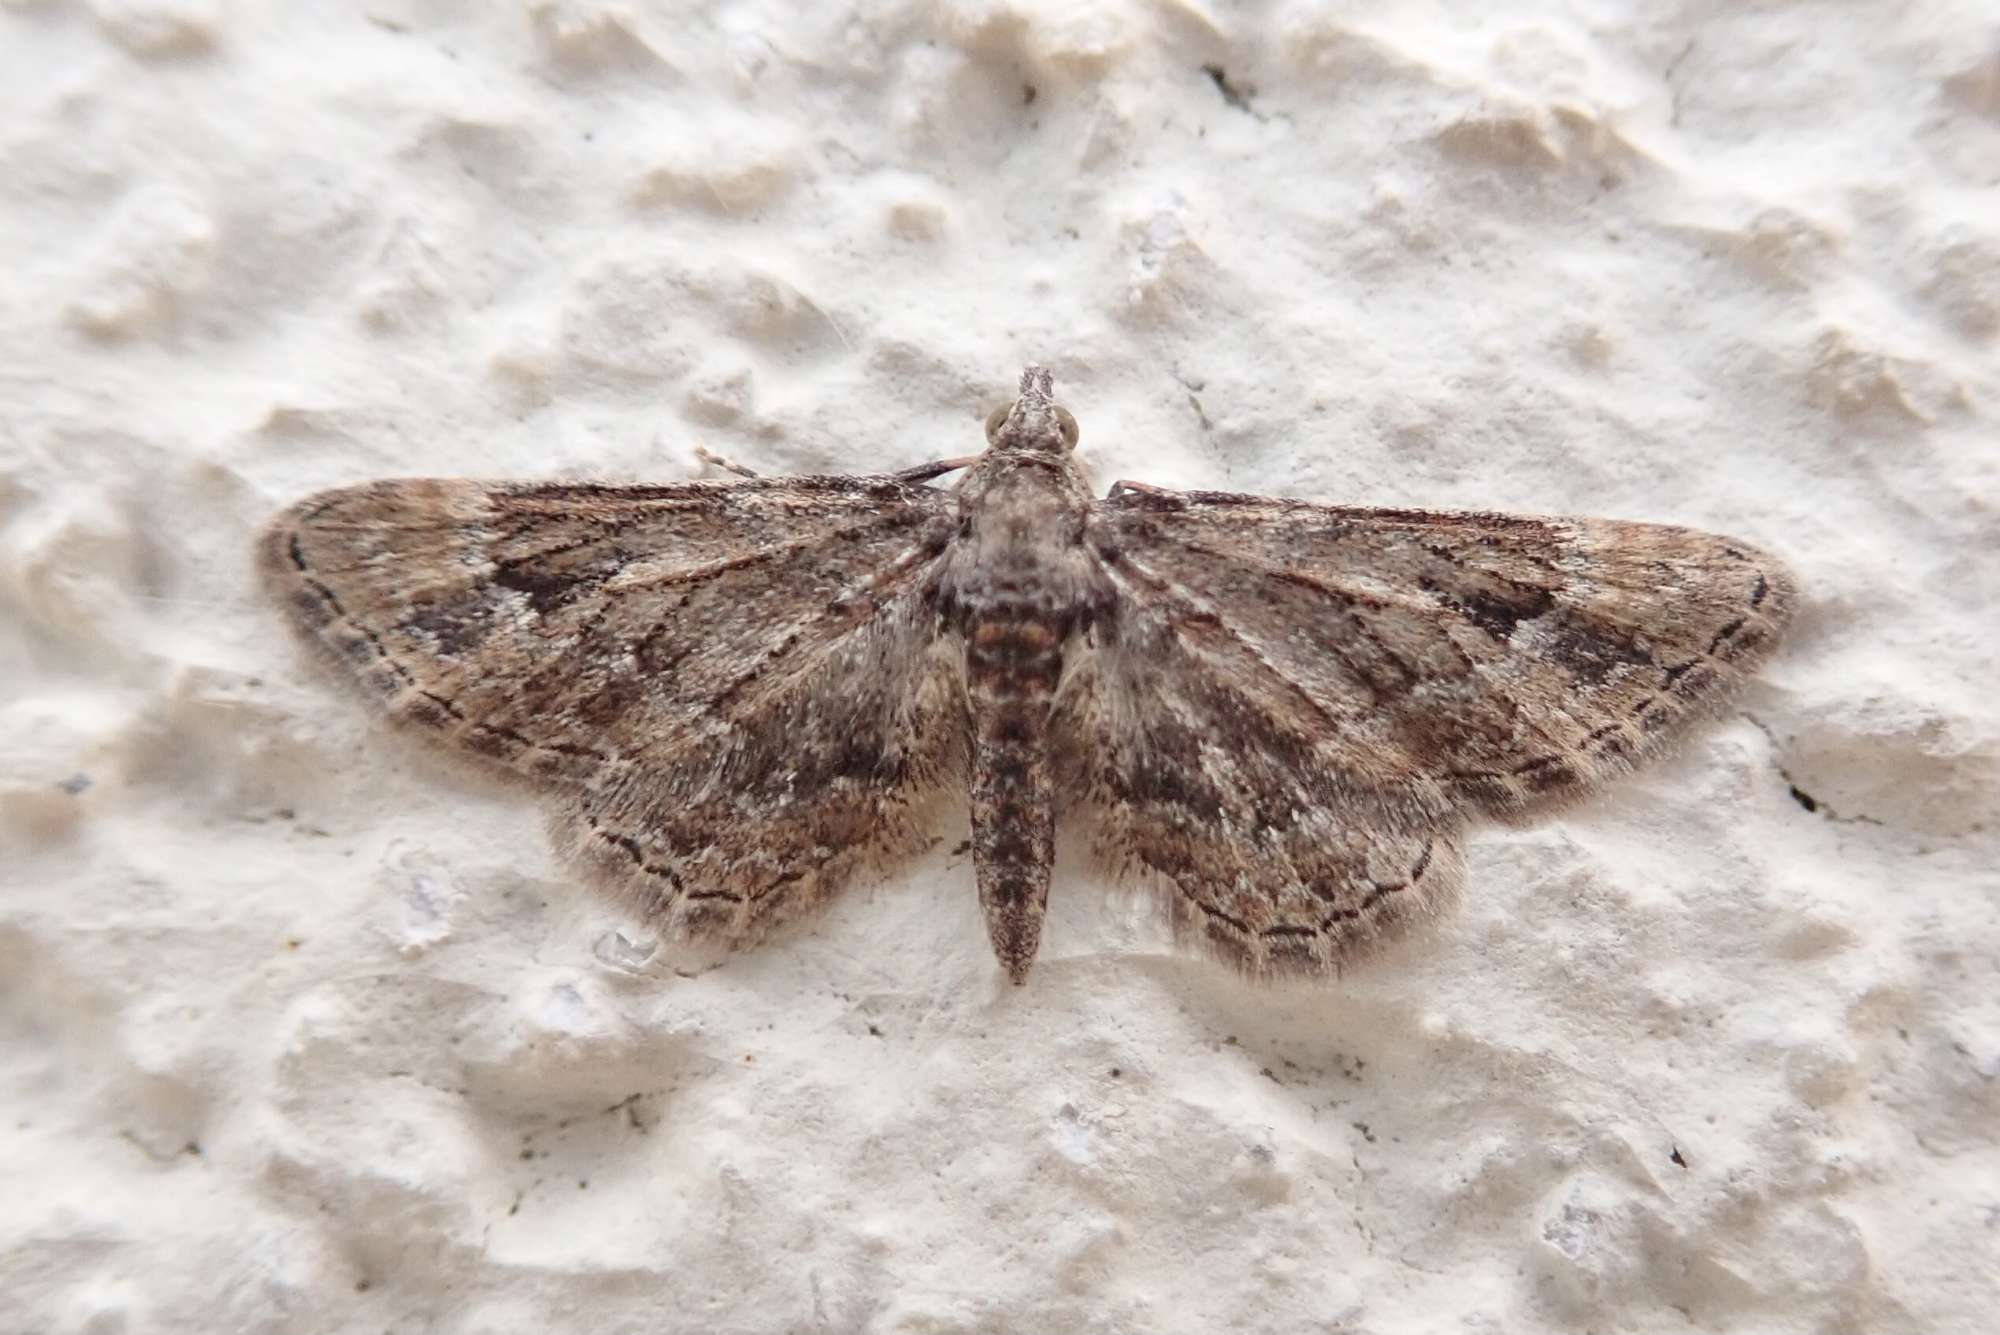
(729, 691)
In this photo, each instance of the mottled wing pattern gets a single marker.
(1294, 709)
(657, 657)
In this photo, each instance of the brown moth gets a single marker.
(733, 693)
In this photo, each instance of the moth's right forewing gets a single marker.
(1496, 663)
(1297, 707)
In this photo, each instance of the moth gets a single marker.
(1285, 715)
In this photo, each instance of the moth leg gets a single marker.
(717, 461)
(935, 468)
(1139, 488)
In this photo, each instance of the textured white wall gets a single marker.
(300, 1033)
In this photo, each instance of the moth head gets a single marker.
(1034, 421)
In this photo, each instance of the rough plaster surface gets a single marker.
(300, 1033)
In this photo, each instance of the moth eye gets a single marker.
(995, 418)
(1071, 431)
